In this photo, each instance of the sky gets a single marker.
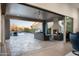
(21, 23)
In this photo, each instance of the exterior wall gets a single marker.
(75, 20)
(0, 22)
(62, 8)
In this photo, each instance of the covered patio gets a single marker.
(28, 12)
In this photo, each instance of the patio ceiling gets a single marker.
(24, 12)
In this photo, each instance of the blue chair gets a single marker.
(74, 38)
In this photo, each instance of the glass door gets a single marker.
(69, 27)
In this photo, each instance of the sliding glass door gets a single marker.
(69, 27)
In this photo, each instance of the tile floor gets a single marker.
(70, 54)
(25, 45)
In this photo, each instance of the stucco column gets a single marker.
(7, 29)
(3, 47)
(2, 29)
(65, 29)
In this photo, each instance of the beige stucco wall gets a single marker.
(64, 9)
(75, 20)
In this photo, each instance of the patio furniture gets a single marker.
(39, 36)
(60, 36)
(74, 38)
(15, 34)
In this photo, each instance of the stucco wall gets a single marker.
(64, 9)
(75, 20)
(0, 22)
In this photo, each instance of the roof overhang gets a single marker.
(28, 12)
